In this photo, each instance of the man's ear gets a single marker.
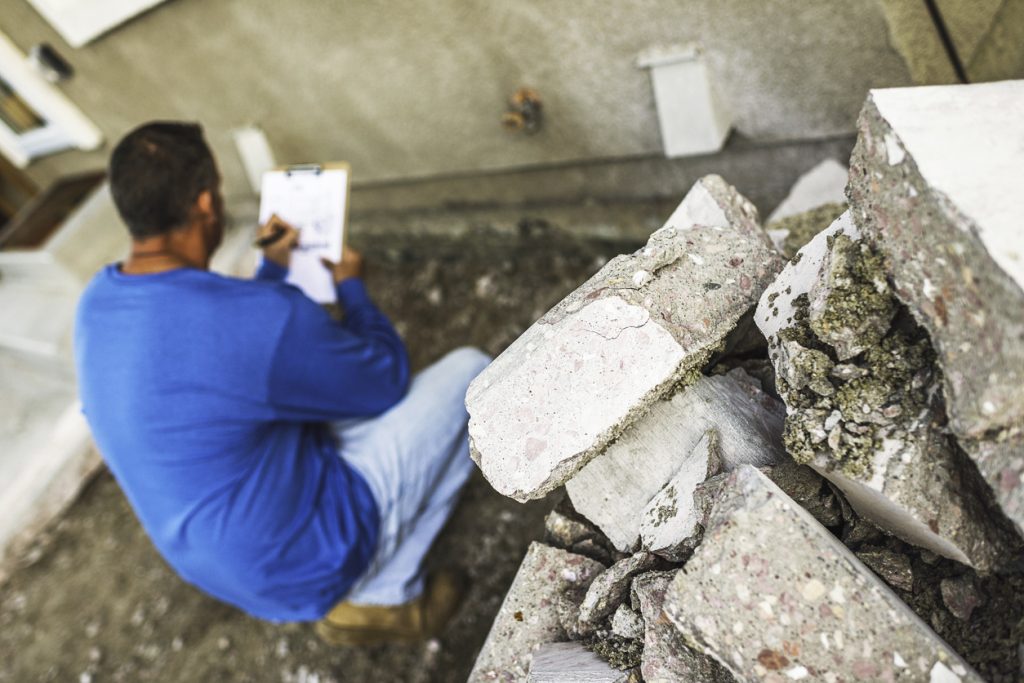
(204, 202)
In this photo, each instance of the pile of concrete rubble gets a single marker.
(784, 468)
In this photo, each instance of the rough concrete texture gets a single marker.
(593, 364)
(935, 187)
(772, 595)
(613, 489)
(611, 588)
(528, 617)
(667, 658)
(627, 622)
(671, 520)
(572, 663)
(875, 427)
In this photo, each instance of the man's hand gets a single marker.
(351, 265)
(277, 239)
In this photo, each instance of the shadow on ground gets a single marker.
(93, 602)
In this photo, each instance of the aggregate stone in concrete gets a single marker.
(667, 658)
(613, 489)
(611, 588)
(935, 184)
(597, 361)
(772, 595)
(897, 467)
(528, 617)
(670, 523)
(572, 663)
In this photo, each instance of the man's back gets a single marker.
(207, 396)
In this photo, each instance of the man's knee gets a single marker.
(468, 359)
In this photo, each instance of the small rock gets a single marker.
(92, 629)
(564, 531)
(961, 596)
(893, 567)
(95, 654)
(627, 623)
(223, 643)
(611, 588)
(177, 644)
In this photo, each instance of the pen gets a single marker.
(267, 240)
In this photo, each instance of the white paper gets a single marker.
(315, 204)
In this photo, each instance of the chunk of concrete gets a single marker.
(670, 524)
(611, 588)
(571, 384)
(936, 186)
(627, 623)
(613, 489)
(667, 658)
(528, 618)
(823, 184)
(572, 663)
(772, 595)
(877, 433)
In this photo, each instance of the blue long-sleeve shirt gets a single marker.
(208, 397)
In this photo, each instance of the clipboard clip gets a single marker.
(315, 169)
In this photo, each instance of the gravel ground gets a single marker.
(93, 602)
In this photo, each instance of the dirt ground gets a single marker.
(93, 602)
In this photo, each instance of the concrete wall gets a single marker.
(408, 89)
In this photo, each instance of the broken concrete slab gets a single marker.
(666, 658)
(935, 186)
(570, 385)
(670, 523)
(611, 588)
(613, 489)
(771, 595)
(528, 618)
(875, 429)
(572, 663)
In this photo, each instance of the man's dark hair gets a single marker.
(157, 172)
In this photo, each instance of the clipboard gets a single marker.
(314, 198)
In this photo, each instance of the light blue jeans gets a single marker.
(415, 458)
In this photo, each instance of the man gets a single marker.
(279, 460)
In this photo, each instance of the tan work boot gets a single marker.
(419, 619)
